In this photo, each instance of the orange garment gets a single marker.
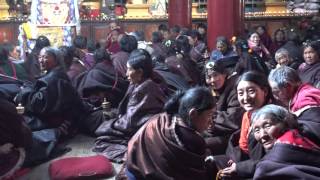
(244, 132)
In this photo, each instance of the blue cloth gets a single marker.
(130, 176)
(216, 55)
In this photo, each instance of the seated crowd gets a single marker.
(167, 109)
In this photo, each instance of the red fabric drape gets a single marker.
(224, 19)
(179, 13)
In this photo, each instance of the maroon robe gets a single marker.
(184, 67)
(119, 61)
(140, 103)
(154, 152)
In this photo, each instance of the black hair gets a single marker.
(182, 45)
(68, 54)
(242, 45)
(101, 54)
(184, 31)
(156, 37)
(141, 59)
(315, 45)
(182, 102)
(277, 31)
(175, 29)
(260, 80)
(195, 34)
(163, 27)
(57, 55)
(252, 32)
(202, 25)
(41, 42)
(91, 46)
(293, 36)
(139, 35)
(80, 42)
(4, 53)
(128, 43)
(8, 46)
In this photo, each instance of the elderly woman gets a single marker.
(143, 99)
(290, 154)
(283, 58)
(309, 71)
(170, 146)
(223, 49)
(243, 151)
(51, 104)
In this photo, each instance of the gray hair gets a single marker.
(277, 114)
(281, 51)
(57, 54)
(284, 76)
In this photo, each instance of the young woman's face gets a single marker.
(134, 76)
(266, 131)
(255, 38)
(250, 95)
(47, 61)
(202, 120)
(310, 55)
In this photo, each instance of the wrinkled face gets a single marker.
(134, 76)
(250, 95)
(279, 36)
(222, 47)
(255, 38)
(266, 131)
(202, 120)
(282, 94)
(310, 55)
(47, 61)
(215, 80)
(282, 59)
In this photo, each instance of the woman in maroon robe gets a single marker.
(143, 99)
(170, 146)
(309, 71)
(290, 155)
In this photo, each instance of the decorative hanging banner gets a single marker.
(55, 12)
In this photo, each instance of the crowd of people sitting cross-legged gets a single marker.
(167, 109)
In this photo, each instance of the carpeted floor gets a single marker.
(81, 146)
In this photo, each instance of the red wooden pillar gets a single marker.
(179, 13)
(225, 18)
